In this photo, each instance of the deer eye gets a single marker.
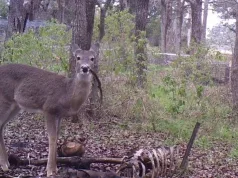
(92, 59)
(78, 58)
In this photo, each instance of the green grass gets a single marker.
(203, 142)
(234, 152)
(175, 104)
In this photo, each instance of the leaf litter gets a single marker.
(26, 137)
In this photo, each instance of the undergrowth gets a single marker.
(172, 106)
(176, 97)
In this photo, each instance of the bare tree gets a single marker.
(123, 4)
(90, 13)
(140, 51)
(204, 23)
(189, 28)
(229, 10)
(179, 22)
(61, 10)
(20, 11)
(103, 11)
(166, 15)
(234, 69)
(17, 17)
(61, 4)
(196, 11)
(132, 6)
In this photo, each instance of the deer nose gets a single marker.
(85, 69)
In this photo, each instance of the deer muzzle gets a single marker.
(85, 69)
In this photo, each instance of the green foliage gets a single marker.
(176, 96)
(118, 26)
(204, 142)
(3, 9)
(178, 129)
(118, 43)
(171, 94)
(45, 49)
(196, 67)
(184, 93)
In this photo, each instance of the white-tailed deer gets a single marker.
(28, 88)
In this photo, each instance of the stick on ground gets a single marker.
(189, 147)
(72, 161)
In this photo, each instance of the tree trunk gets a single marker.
(204, 26)
(166, 10)
(179, 23)
(234, 70)
(61, 4)
(32, 8)
(79, 31)
(123, 5)
(17, 18)
(90, 13)
(82, 32)
(140, 49)
(163, 27)
(69, 12)
(196, 8)
(189, 29)
(103, 12)
(132, 6)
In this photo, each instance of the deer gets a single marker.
(35, 90)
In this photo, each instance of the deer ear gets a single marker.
(74, 48)
(95, 48)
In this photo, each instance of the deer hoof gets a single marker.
(51, 172)
(5, 166)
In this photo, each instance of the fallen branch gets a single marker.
(184, 162)
(71, 161)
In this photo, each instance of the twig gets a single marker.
(189, 147)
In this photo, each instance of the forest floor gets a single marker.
(26, 136)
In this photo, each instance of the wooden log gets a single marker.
(83, 163)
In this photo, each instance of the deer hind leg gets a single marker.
(7, 112)
(52, 126)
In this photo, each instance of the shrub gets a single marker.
(118, 52)
(46, 49)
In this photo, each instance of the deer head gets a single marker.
(84, 61)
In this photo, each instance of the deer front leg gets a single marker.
(7, 112)
(3, 154)
(52, 125)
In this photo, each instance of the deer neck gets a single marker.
(80, 89)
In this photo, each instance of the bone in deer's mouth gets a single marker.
(99, 85)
